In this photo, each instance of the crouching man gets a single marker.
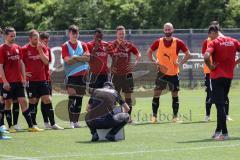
(101, 114)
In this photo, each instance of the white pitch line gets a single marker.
(9, 157)
(137, 152)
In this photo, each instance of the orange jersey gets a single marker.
(167, 58)
(206, 70)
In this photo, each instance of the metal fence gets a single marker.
(191, 72)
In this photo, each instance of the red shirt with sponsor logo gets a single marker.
(99, 59)
(65, 53)
(10, 58)
(121, 56)
(223, 51)
(33, 63)
(180, 45)
(47, 70)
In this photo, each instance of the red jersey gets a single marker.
(223, 51)
(0, 75)
(180, 45)
(33, 63)
(99, 59)
(47, 70)
(10, 57)
(204, 46)
(65, 53)
(121, 56)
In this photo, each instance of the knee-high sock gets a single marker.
(221, 119)
(2, 105)
(175, 106)
(28, 118)
(50, 112)
(74, 107)
(227, 106)
(33, 112)
(8, 114)
(155, 106)
(129, 102)
(208, 105)
(15, 112)
(44, 114)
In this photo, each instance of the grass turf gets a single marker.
(144, 141)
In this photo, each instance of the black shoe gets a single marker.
(95, 137)
(110, 137)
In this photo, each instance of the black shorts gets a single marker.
(220, 88)
(16, 91)
(123, 83)
(97, 80)
(37, 89)
(49, 83)
(163, 81)
(78, 83)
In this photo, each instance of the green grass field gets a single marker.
(144, 141)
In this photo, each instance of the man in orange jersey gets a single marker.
(167, 63)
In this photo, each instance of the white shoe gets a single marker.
(57, 127)
(35, 126)
(47, 126)
(76, 125)
(71, 125)
(3, 127)
(207, 118)
(17, 127)
(228, 118)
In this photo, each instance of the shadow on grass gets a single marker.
(197, 122)
(209, 140)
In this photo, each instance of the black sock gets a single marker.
(129, 102)
(33, 112)
(71, 100)
(2, 105)
(227, 106)
(15, 112)
(44, 114)
(155, 106)
(77, 108)
(50, 112)
(221, 118)
(8, 114)
(28, 118)
(175, 106)
(208, 106)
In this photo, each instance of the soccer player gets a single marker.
(75, 55)
(122, 67)
(2, 126)
(223, 50)
(36, 58)
(101, 115)
(167, 62)
(206, 71)
(99, 51)
(12, 71)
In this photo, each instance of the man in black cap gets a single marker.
(101, 115)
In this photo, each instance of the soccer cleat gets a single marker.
(3, 137)
(110, 137)
(3, 127)
(207, 119)
(12, 130)
(17, 127)
(229, 118)
(3, 130)
(56, 127)
(216, 134)
(95, 137)
(222, 137)
(176, 120)
(35, 129)
(76, 125)
(71, 125)
(154, 119)
(47, 126)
